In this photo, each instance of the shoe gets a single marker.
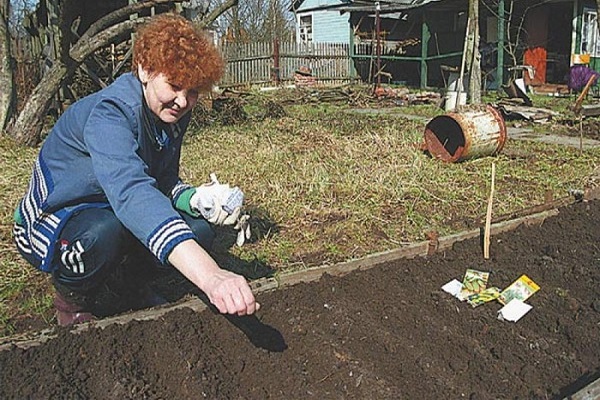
(69, 313)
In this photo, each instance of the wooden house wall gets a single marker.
(327, 26)
(330, 27)
(311, 5)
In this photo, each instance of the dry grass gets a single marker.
(323, 185)
(23, 291)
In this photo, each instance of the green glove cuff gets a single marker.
(183, 202)
(17, 217)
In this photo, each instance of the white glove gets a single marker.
(219, 203)
(243, 226)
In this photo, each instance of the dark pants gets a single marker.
(94, 245)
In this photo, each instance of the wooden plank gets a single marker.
(589, 392)
(267, 284)
(590, 110)
(309, 275)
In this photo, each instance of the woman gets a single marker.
(105, 202)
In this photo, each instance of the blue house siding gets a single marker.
(312, 4)
(330, 27)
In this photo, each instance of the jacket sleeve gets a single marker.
(110, 136)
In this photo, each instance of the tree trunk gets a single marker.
(29, 124)
(473, 55)
(6, 76)
(27, 129)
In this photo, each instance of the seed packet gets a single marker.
(521, 289)
(473, 282)
(484, 296)
(514, 310)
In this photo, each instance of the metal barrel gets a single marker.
(458, 136)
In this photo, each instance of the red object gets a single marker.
(536, 54)
(536, 57)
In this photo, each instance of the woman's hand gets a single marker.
(229, 292)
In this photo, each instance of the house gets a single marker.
(314, 22)
(418, 41)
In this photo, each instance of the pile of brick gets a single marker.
(303, 77)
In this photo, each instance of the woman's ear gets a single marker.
(142, 74)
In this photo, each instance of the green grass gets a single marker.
(323, 184)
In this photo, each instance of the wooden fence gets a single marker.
(247, 64)
(266, 63)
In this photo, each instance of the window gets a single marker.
(305, 29)
(589, 34)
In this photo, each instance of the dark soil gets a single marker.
(386, 333)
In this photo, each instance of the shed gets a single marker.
(420, 39)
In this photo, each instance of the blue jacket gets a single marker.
(106, 150)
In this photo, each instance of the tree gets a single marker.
(473, 57)
(28, 126)
(258, 21)
(6, 78)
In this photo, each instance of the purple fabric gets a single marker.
(579, 76)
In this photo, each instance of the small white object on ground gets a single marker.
(453, 287)
(514, 310)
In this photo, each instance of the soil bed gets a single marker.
(386, 333)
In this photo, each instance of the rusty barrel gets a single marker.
(473, 133)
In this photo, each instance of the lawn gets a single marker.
(324, 183)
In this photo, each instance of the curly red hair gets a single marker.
(172, 45)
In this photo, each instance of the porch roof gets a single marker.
(368, 5)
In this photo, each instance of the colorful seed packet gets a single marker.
(521, 289)
(473, 282)
(484, 296)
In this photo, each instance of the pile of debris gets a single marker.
(304, 77)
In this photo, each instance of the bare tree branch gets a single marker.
(83, 48)
(28, 126)
(125, 12)
(214, 14)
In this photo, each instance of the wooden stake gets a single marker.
(488, 217)
(583, 94)
(580, 133)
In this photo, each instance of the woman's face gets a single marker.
(166, 100)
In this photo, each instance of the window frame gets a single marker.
(589, 33)
(305, 28)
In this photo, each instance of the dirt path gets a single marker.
(385, 333)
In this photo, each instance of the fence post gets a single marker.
(425, 36)
(275, 76)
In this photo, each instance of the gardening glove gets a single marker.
(243, 226)
(219, 203)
